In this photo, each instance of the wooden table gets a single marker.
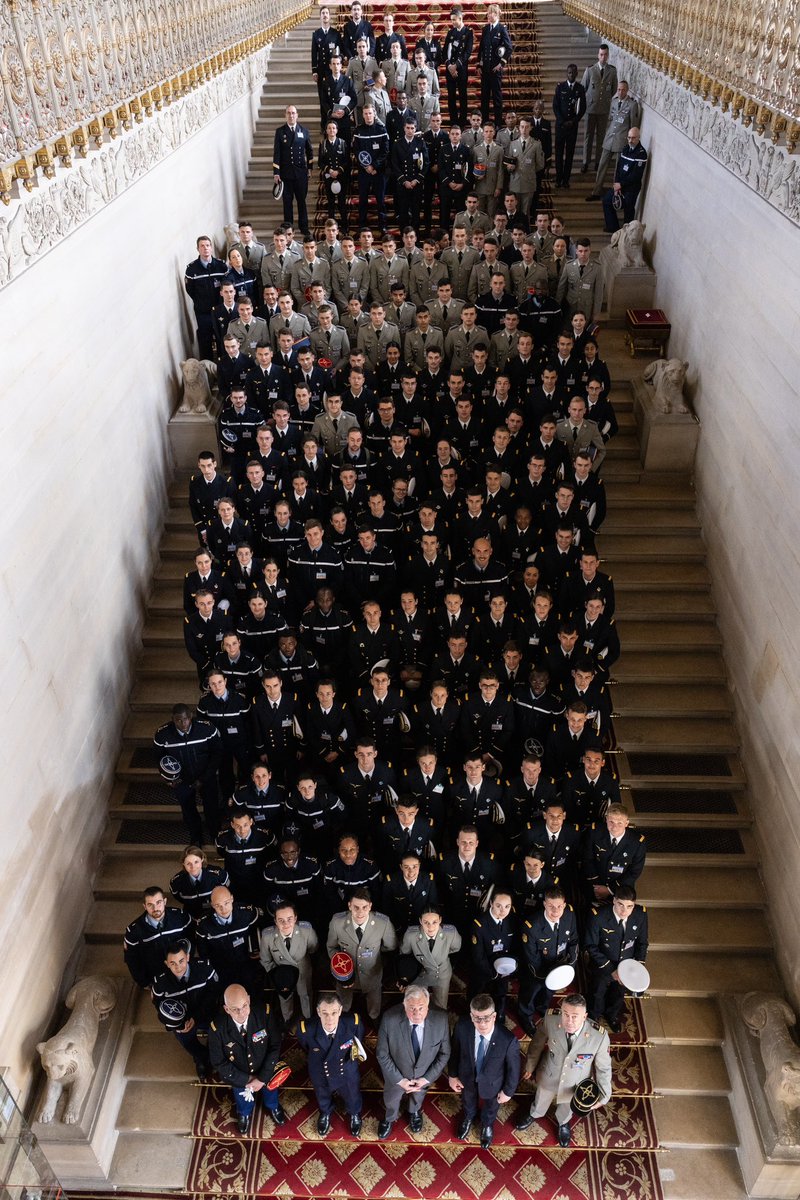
(646, 329)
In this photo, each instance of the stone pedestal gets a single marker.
(626, 287)
(668, 441)
(189, 433)
(768, 1157)
(80, 1155)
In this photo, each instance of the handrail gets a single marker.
(75, 72)
(740, 55)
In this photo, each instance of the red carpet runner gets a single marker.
(612, 1156)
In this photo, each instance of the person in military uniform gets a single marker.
(432, 944)
(228, 712)
(487, 722)
(326, 44)
(588, 794)
(193, 884)
(577, 1049)
(494, 53)
(293, 878)
(557, 842)
(190, 752)
(146, 937)
(331, 1041)
(613, 855)
(525, 161)
(476, 799)
(277, 732)
(528, 883)
(185, 996)
(495, 935)
(203, 280)
(349, 870)
(549, 940)
(203, 631)
(408, 891)
(410, 165)
(457, 51)
(468, 878)
(228, 938)
(380, 713)
(286, 949)
(292, 159)
(615, 932)
(263, 799)
(569, 105)
(245, 851)
(244, 1043)
(404, 831)
(334, 165)
(313, 812)
(365, 935)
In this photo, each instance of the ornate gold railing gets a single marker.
(76, 71)
(741, 55)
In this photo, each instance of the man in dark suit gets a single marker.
(330, 1039)
(484, 1067)
(569, 105)
(413, 1049)
(292, 159)
(244, 1043)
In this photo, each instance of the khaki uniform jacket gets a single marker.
(379, 936)
(560, 1070)
(303, 945)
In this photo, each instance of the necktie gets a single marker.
(601, 73)
(467, 335)
(461, 252)
(569, 1042)
(335, 423)
(553, 838)
(574, 433)
(247, 252)
(473, 794)
(349, 268)
(444, 312)
(580, 272)
(479, 1057)
(523, 146)
(475, 137)
(415, 1042)
(431, 944)
(288, 943)
(359, 933)
(613, 843)
(328, 336)
(555, 932)
(247, 328)
(467, 871)
(159, 926)
(287, 324)
(280, 260)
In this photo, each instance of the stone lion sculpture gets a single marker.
(67, 1055)
(197, 375)
(667, 377)
(231, 235)
(769, 1018)
(629, 244)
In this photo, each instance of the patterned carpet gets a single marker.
(613, 1153)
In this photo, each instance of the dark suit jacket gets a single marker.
(395, 1053)
(501, 1066)
(236, 1058)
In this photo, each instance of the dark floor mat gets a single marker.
(144, 756)
(683, 802)
(152, 833)
(693, 841)
(148, 793)
(679, 764)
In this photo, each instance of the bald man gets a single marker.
(228, 936)
(244, 1043)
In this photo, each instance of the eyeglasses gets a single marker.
(483, 1020)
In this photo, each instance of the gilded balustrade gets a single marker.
(76, 72)
(739, 55)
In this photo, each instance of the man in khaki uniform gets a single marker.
(290, 943)
(365, 935)
(566, 1049)
(527, 157)
(432, 944)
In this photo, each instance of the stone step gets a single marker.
(698, 973)
(715, 932)
(648, 605)
(676, 497)
(123, 877)
(678, 1021)
(645, 733)
(156, 1107)
(701, 1174)
(698, 1122)
(170, 662)
(683, 1070)
(156, 1162)
(657, 521)
(671, 700)
(656, 576)
(182, 544)
(163, 631)
(672, 635)
(109, 919)
(659, 665)
(704, 888)
(636, 547)
(154, 695)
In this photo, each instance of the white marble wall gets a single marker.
(91, 333)
(728, 276)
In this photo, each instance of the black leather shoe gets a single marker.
(563, 1135)
(584, 168)
(524, 1124)
(464, 1128)
(615, 1026)
(323, 1124)
(355, 1126)
(415, 1122)
(384, 1129)
(203, 1073)
(278, 1115)
(487, 1136)
(243, 1124)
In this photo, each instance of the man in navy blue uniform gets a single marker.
(330, 1039)
(628, 176)
(484, 1067)
(494, 51)
(457, 51)
(203, 280)
(292, 159)
(244, 1043)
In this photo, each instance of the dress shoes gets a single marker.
(203, 1073)
(323, 1124)
(524, 1124)
(487, 1136)
(593, 196)
(243, 1123)
(415, 1122)
(355, 1125)
(278, 1115)
(564, 1135)
(384, 1129)
(464, 1128)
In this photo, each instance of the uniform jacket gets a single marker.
(599, 91)
(237, 1057)
(560, 1070)
(379, 936)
